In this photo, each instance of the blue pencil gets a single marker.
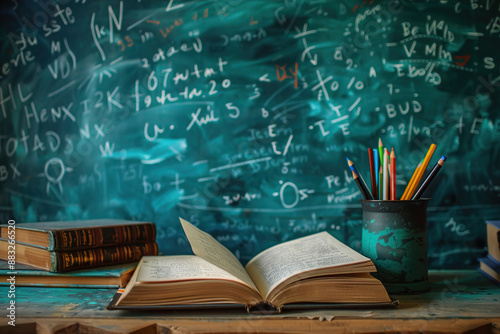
(429, 178)
(376, 162)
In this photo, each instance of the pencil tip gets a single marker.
(443, 158)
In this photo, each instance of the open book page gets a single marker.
(206, 247)
(179, 268)
(184, 279)
(276, 264)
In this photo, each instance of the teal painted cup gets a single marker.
(394, 237)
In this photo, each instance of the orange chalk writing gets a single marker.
(281, 73)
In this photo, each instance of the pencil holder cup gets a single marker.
(394, 237)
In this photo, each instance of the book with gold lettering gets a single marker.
(81, 234)
(315, 270)
(60, 261)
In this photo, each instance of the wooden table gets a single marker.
(459, 301)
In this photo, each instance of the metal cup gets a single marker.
(394, 237)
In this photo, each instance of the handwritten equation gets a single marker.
(238, 115)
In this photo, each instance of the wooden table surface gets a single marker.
(459, 302)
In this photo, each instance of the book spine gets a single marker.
(52, 240)
(102, 237)
(96, 257)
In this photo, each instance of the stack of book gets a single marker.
(76, 245)
(490, 265)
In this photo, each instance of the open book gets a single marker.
(313, 269)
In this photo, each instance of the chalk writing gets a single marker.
(238, 115)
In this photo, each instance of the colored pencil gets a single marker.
(359, 180)
(429, 178)
(386, 152)
(377, 174)
(393, 175)
(380, 149)
(421, 171)
(381, 181)
(364, 191)
(381, 172)
(412, 179)
(385, 178)
(373, 178)
(388, 174)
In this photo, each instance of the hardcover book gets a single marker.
(493, 231)
(490, 267)
(315, 269)
(59, 261)
(102, 277)
(81, 234)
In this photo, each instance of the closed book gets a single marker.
(80, 234)
(490, 268)
(493, 231)
(102, 277)
(59, 261)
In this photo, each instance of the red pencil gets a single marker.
(372, 173)
(393, 175)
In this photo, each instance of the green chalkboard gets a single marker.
(238, 115)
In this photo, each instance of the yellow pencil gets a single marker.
(411, 181)
(421, 171)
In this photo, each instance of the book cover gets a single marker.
(490, 268)
(261, 308)
(493, 262)
(102, 277)
(493, 237)
(494, 223)
(82, 234)
(60, 261)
